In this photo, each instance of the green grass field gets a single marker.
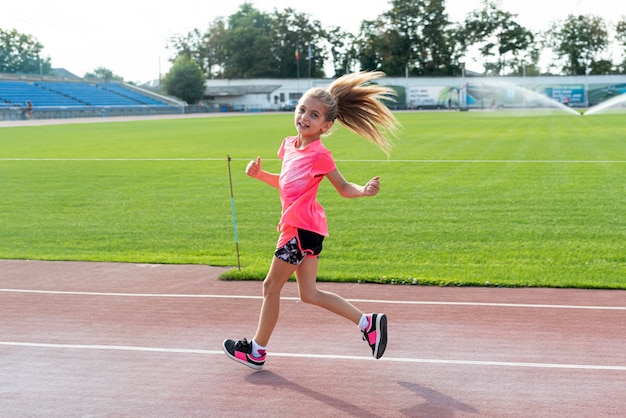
(468, 198)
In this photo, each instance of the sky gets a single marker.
(130, 38)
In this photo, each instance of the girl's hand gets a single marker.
(372, 187)
(254, 168)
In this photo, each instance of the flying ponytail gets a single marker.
(358, 105)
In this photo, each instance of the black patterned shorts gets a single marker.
(304, 244)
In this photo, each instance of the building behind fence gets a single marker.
(45, 97)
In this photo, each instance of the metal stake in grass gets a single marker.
(232, 203)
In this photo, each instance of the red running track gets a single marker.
(112, 340)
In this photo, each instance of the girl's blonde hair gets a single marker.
(356, 103)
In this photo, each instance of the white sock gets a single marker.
(256, 348)
(363, 323)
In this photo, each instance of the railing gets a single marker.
(71, 112)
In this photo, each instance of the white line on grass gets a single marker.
(338, 160)
(388, 302)
(112, 159)
(493, 161)
(315, 356)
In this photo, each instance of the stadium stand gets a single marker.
(52, 93)
(130, 94)
(54, 99)
(17, 92)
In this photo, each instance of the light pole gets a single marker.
(38, 51)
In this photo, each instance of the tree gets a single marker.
(372, 51)
(21, 53)
(495, 34)
(405, 23)
(580, 42)
(103, 74)
(620, 35)
(392, 42)
(438, 37)
(185, 80)
(247, 45)
(342, 50)
(205, 49)
(213, 63)
(414, 36)
(252, 44)
(295, 32)
(190, 46)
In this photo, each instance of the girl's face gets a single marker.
(310, 118)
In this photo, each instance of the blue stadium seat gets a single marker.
(62, 94)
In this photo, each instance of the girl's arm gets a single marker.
(347, 189)
(254, 170)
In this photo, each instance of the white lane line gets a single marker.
(495, 304)
(315, 356)
(389, 302)
(135, 295)
(107, 347)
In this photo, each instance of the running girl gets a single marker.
(356, 103)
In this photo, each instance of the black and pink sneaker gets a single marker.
(241, 351)
(376, 334)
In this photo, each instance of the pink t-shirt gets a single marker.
(300, 176)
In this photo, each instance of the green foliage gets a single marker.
(413, 35)
(21, 53)
(104, 74)
(468, 198)
(185, 80)
(416, 37)
(205, 49)
(342, 49)
(620, 34)
(496, 33)
(580, 40)
(292, 31)
(255, 44)
(247, 45)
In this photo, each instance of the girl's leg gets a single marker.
(306, 275)
(280, 271)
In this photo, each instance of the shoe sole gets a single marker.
(381, 343)
(240, 361)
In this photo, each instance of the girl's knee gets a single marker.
(309, 295)
(272, 287)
